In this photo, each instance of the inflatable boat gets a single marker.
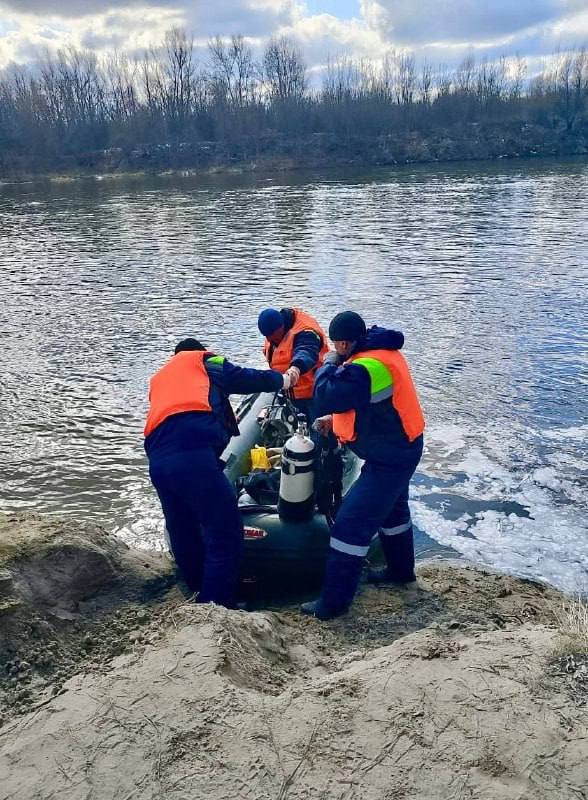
(287, 508)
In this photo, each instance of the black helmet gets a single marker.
(347, 326)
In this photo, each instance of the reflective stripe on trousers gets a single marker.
(396, 530)
(360, 552)
(349, 549)
(378, 501)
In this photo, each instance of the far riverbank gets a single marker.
(317, 152)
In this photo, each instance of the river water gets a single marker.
(483, 266)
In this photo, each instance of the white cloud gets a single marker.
(409, 23)
(573, 28)
(29, 36)
(439, 30)
(323, 35)
(126, 25)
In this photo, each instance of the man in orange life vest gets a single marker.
(189, 423)
(294, 343)
(364, 393)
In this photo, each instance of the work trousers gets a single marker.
(203, 521)
(376, 504)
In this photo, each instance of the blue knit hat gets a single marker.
(269, 321)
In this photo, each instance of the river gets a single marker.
(484, 266)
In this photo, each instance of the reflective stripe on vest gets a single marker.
(180, 385)
(389, 378)
(283, 353)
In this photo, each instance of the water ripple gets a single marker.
(484, 267)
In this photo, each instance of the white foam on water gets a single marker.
(578, 433)
(544, 548)
(546, 476)
(447, 439)
(144, 525)
(551, 543)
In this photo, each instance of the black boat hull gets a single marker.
(279, 557)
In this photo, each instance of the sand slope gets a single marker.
(457, 690)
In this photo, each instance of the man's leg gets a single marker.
(396, 537)
(222, 529)
(364, 510)
(182, 523)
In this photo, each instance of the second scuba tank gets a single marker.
(296, 501)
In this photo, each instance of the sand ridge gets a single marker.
(462, 687)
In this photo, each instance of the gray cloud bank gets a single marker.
(408, 22)
(204, 17)
(438, 30)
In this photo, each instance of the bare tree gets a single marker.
(342, 80)
(518, 74)
(426, 83)
(179, 73)
(490, 81)
(443, 81)
(406, 79)
(121, 78)
(233, 71)
(153, 83)
(465, 75)
(284, 70)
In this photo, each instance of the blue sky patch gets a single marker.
(344, 9)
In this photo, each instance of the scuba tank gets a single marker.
(296, 501)
(329, 479)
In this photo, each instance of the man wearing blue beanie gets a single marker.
(295, 344)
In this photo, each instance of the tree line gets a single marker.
(170, 108)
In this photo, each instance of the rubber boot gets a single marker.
(339, 586)
(399, 554)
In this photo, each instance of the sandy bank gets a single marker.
(463, 688)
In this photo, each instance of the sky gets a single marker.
(439, 31)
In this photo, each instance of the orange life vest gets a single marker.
(401, 391)
(182, 384)
(282, 354)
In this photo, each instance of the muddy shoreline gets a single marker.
(269, 168)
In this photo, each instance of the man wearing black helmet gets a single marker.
(365, 395)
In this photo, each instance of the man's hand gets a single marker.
(287, 381)
(332, 358)
(324, 425)
(294, 374)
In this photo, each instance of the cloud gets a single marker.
(134, 25)
(438, 30)
(74, 8)
(251, 18)
(573, 28)
(29, 37)
(204, 17)
(324, 35)
(412, 23)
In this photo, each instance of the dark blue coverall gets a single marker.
(378, 501)
(198, 501)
